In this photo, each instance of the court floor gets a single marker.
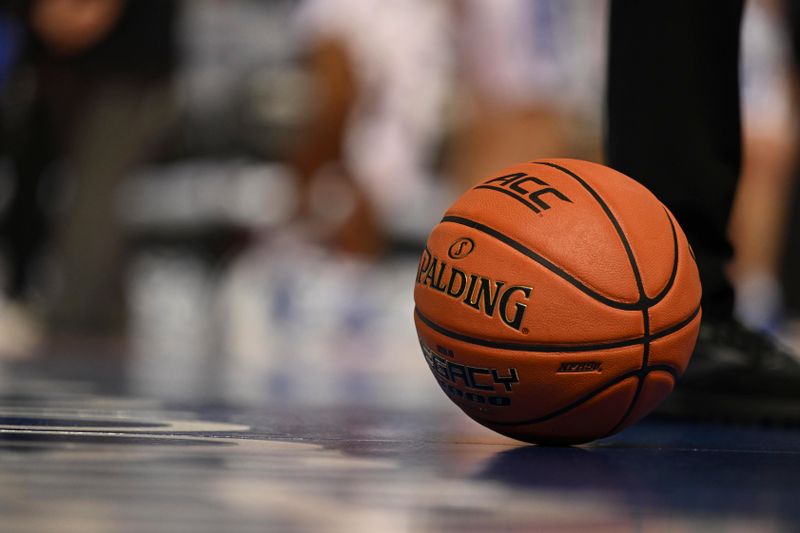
(79, 452)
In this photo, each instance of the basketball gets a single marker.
(557, 302)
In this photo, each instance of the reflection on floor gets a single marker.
(267, 397)
(74, 460)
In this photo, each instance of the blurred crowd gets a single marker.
(249, 180)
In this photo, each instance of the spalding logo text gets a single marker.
(479, 292)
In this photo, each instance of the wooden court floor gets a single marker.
(82, 455)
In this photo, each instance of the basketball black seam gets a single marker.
(617, 227)
(554, 348)
(566, 276)
(646, 345)
(524, 250)
(674, 274)
(646, 303)
(639, 373)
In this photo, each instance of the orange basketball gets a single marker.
(557, 302)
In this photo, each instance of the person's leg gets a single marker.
(673, 119)
(760, 211)
(674, 124)
(26, 147)
(791, 262)
(119, 128)
(27, 142)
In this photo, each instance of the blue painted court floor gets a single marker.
(78, 456)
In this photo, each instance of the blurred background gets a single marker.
(228, 197)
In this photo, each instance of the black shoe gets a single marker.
(737, 375)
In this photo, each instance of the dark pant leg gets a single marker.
(791, 259)
(673, 118)
(23, 222)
